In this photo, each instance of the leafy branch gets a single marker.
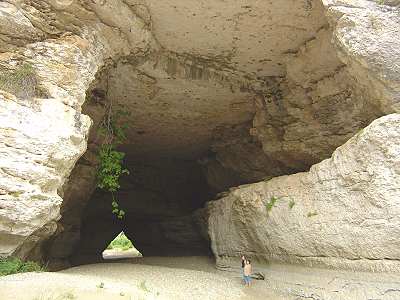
(111, 161)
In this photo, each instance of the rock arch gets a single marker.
(221, 94)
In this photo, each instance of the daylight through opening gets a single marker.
(121, 247)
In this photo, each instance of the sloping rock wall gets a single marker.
(343, 213)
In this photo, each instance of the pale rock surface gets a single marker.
(42, 138)
(251, 91)
(367, 36)
(345, 210)
(33, 167)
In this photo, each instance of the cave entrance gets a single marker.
(121, 247)
(163, 200)
(187, 140)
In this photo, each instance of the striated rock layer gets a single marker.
(343, 213)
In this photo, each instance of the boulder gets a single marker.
(343, 213)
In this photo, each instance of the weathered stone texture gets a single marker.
(247, 91)
(366, 35)
(345, 210)
(43, 137)
(36, 159)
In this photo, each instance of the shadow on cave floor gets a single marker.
(196, 263)
(165, 215)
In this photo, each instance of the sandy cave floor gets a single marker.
(140, 278)
(194, 278)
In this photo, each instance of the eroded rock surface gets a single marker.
(241, 91)
(342, 213)
(44, 135)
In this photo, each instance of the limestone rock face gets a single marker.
(371, 60)
(344, 212)
(335, 83)
(33, 167)
(44, 134)
(238, 91)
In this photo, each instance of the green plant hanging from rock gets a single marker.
(111, 160)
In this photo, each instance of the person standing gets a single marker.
(243, 264)
(247, 272)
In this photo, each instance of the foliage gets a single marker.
(271, 203)
(22, 81)
(63, 296)
(121, 242)
(101, 285)
(110, 168)
(291, 203)
(111, 161)
(69, 296)
(143, 286)
(10, 266)
(312, 214)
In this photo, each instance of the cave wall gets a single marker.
(315, 109)
(247, 91)
(43, 136)
(343, 213)
(162, 202)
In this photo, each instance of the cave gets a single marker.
(174, 124)
(217, 96)
(197, 127)
(192, 133)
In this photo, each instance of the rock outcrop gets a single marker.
(43, 135)
(232, 93)
(344, 212)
